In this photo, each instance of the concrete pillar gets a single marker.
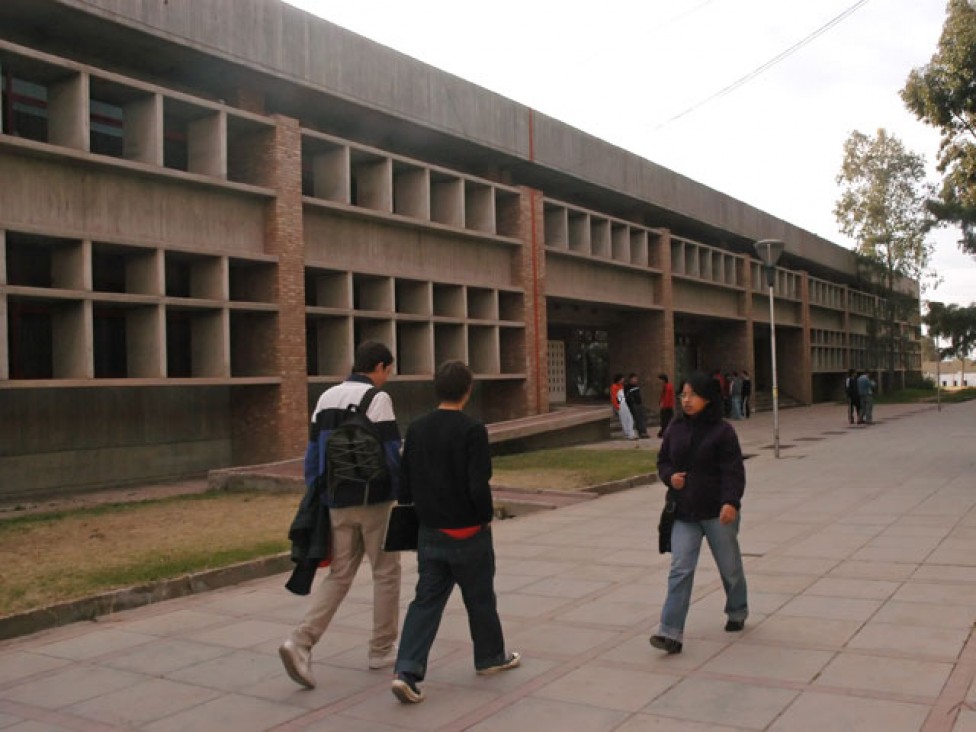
(207, 145)
(806, 364)
(142, 136)
(745, 279)
(68, 120)
(530, 273)
(4, 337)
(271, 423)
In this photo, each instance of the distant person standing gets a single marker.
(445, 472)
(735, 391)
(746, 394)
(632, 392)
(853, 400)
(665, 403)
(618, 400)
(865, 394)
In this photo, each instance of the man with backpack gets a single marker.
(352, 466)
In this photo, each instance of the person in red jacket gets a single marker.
(665, 403)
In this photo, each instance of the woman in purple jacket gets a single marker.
(701, 463)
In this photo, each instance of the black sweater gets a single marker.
(445, 470)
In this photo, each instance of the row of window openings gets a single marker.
(120, 340)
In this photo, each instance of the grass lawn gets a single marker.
(66, 555)
(908, 396)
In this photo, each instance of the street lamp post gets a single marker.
(769, 251)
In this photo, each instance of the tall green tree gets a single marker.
(953, 328)
(882, 207)
(943, 95)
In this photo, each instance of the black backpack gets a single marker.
(355, 458)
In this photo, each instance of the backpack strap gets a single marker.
(367, 400)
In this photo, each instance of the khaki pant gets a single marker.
(356, 531)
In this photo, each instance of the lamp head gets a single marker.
(769, 251)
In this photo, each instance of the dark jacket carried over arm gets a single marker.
(710, 454)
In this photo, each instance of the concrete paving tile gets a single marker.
(561, 639)
(792, 565)
(443, 703)
(952, 551)
(890, 675)
(595, 685)
(250, 602)
(333, 685)
(7, 720)
(333, 643)
(638, 651)
(769, 662)
(944, 573)
(534, 567)
(891, 571)
(892, 553)
(642, 557)
(917, 641)
(33, 726)
(766, 603)
(779, 583)
(342, 723)
(506, 583)
(142, 703)
(230, 712)
(615, 614)
(651, 723)
(18, 665)
(69, 686)
(966, 721)
(651, 592)
(723, 702)
(93, 645)
(162, 656)
(178, 622)
(816, 712)
(805, 631)
(940, 593)
(825, 546)
(564, 587)
(545, 714)
(233, 671)
(926, 614)
(836, 608)
(517, 604)
(853, 588)
(243, 634)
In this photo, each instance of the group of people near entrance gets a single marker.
(859, 389)
(443, 468)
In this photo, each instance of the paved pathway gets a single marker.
(861, 559)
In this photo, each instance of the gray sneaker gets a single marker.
(386, 661)
(298, 663)
(512, 660)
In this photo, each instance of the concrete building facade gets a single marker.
(205, 205)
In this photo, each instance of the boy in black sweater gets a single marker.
(444, 471)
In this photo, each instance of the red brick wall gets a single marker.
(272, 423)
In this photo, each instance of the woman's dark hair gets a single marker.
(617, 377)
(452, 381)
(663, 377)
(369, 354)
(708, 388)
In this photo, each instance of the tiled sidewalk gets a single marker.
(861, 560)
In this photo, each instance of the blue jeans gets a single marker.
(686, 539)
(443, 562)
(736, 407)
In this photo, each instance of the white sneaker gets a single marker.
(385, 661)
(298, 663)
(512, 660)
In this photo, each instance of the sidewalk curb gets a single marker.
(106, 603)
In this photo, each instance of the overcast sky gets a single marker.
(630, 71)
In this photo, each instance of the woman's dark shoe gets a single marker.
(734, 626)
(666, 644)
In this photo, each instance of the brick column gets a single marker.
(272, 423)
(531, 275)
(747, 301)
(660, 257)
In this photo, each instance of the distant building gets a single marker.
(951, 374)
(205, 205)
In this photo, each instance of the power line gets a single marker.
(769, 64)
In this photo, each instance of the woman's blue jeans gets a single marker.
(443, 562)
(686, 540)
